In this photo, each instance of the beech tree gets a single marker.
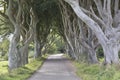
(24, 15)
(23, 28)
(82, 27)
(80, 39)
(104, 23)
(47, 13)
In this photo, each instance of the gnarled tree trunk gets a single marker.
(14, 54)
(18, 50)
(108, 38)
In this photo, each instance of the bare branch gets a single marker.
(109, 7)
(10, 12)
(116, 6)
(95, 16)
(99, 7)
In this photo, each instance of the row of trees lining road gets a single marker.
(78, 36)
(33, 22)
(84, 29)
(103, 19)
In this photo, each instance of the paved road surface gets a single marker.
(56, 67)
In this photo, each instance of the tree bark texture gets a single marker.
(76, 36)
(102, 28)
(18, 50)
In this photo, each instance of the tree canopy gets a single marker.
(85, 26)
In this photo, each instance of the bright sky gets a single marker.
(1, 8)
(9, 37)
(0, 39)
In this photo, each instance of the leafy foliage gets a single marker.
(4, 49)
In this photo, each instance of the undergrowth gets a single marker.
(97, 72)
(21, 73)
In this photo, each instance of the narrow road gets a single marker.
(56, 67)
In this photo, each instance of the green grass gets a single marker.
(3, 67)
(97, 72)
(21, 73)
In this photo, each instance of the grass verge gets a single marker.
(21, 73)
(97, 72)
